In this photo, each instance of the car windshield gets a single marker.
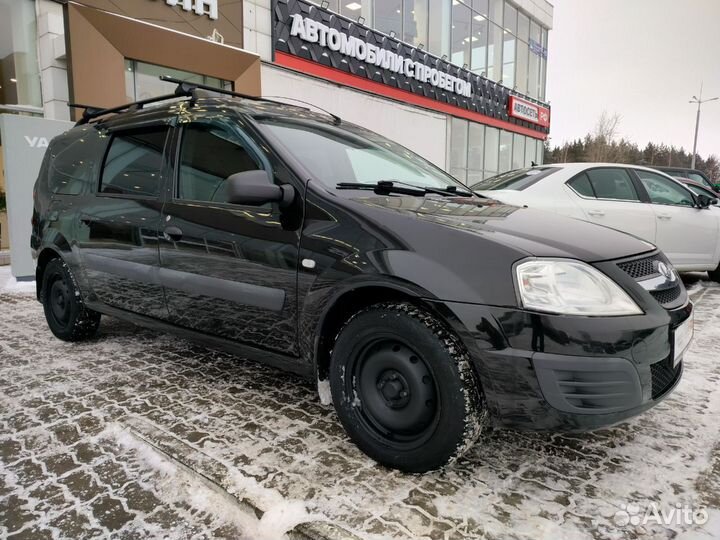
(699, 178)
(516, 180)
(347, 153)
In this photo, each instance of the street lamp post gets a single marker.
(699, 101)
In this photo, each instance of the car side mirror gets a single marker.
(255, 188)
(704, 201)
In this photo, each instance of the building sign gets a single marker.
(531, 112)
(322, 43)
(316, 32)
(538, 49)
(199, 7)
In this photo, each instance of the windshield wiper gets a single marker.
(403, 188)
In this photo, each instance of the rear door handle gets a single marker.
(597, 213)
(173, 233)
(664, 216)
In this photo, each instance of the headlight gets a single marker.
(571, 288)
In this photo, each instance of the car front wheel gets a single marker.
(404, 389)
(65, 312)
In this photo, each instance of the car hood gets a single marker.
(537, 233)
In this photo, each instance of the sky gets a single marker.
(642, 59)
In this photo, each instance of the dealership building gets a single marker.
(461, 82)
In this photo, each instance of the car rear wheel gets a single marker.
(65, 312)
(404, 389)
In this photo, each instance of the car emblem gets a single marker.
(663, 269)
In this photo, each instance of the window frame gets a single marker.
(113, 134)
(639, 189)
(251, 146)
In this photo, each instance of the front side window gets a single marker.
(662, 190)
(134, 162)
(612, 183)
(348, 153)
(209, 154)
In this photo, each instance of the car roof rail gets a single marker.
(91, 112)
(211, 89)
(183, 89)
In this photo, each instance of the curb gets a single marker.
(217, 473)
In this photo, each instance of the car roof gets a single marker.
(581, 166)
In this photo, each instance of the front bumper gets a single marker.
(550, 372)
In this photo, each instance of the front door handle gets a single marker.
(173, 233)
(664, 216)
(596, 213)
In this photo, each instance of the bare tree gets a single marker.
(604, 135)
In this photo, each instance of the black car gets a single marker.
(691, 174)
(295, 238)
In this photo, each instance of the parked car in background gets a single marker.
(699, 189)
(691, 174)
(301, 240)
(632, 199)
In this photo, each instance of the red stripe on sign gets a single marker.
(361, 83)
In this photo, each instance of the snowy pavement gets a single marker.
(140, 435)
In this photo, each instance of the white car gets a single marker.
(632, 199)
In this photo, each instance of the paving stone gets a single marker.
(70, 468)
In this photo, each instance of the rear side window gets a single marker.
(75, 161)
(209, 154)
(612, 183)
(134, 162)
(581, 184)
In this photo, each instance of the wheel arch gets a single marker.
(346, 303)
(46, 255)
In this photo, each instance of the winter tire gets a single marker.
(404, 389)
(66, 314)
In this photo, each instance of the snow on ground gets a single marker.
(69, 467)
(8, 284)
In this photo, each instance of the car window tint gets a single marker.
(516, 180)
(209, 153)
(134, 162)
(612, 183)
(581, 184)
(662, 190)
(74, 162)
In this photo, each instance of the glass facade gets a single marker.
(493, 38)
(142, 80)
(19, 70)
(478, 151)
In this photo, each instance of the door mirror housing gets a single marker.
(255, 188)
(704, 201)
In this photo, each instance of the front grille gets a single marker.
(640, 268)
(667, 296)
(663, 377)
(644, 270)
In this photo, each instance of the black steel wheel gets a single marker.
(65, 312)
(403, 388)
